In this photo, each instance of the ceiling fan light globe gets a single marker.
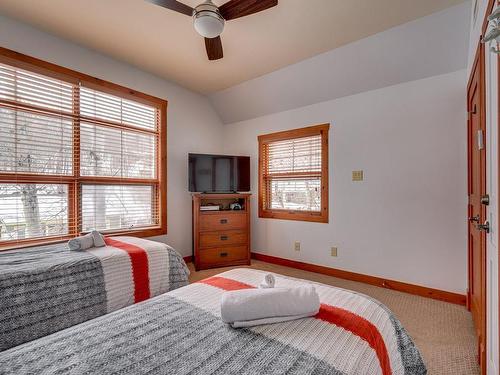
(208, 25)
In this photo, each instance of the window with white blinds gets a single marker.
(293, 174)
(111, 207)
(76, 155)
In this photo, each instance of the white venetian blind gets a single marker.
(292, 174)
(120, 137)
(117, 152)
(36, 130)
(74, 158)
(118, 140)
(111, 207)
(36, 139)
(24, 88)
(301, 155)
(102, 106)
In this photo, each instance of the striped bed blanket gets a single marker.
(48, 288)
(181, 332)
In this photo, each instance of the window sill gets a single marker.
(19, 244)
(315, 217)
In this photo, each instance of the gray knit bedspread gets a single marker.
(181, 333)
(48, 288)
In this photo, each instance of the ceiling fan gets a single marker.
(209, 19)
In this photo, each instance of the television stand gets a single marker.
(221, 238)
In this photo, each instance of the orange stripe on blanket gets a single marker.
(140, 267)
(360, 327)
(349, 321)
(226, 284)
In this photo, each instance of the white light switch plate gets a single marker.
(357, 175)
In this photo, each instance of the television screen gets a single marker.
(218, 173)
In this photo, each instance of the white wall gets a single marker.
(407, 220)
(193, 125)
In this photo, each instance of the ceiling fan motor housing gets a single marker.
(209, 19)
(208, 22)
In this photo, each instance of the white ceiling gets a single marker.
(164, 42)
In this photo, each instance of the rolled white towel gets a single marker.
(277, 319)
(82, 242)
(268, 282)
(98, 239)
(250, 307)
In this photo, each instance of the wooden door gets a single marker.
(477, 211)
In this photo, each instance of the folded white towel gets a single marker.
(248, 307)
(82, 242)
(268, 282)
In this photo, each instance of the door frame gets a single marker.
(498, 191)
(479, 58)
(479, 63)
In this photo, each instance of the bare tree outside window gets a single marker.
(29, 210)
(74, 158)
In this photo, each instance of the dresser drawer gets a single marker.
(222, 254)
(222, 238)
(223, 222)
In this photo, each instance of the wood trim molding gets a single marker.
(74, 181)
(188, 259)
(498, 182)
(418, 290)
(479, 59)
(489, 9)
(264, 211)
(23, 61)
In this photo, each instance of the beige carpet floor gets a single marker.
(442, 331)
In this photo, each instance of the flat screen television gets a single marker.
(219, 173)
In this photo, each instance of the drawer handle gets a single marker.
(223, 238)
(223, 221)
(223, 255)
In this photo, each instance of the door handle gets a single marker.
(485, 199)
(474, 219)
(223, 221)
(484, 227)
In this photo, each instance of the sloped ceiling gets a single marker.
(432, 45)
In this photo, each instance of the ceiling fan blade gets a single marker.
(214, 48)
(174, 5)
(240, 8)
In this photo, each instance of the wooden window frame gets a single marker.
(75, 181)
(313, 216)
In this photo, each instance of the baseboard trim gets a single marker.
(418, 290)
(188, 259)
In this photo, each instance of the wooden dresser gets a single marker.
(221, 238)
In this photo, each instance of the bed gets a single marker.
(181, 332)
(49, 288)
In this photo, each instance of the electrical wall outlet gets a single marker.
(297, 246)
(333, 251)
(357, 175)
